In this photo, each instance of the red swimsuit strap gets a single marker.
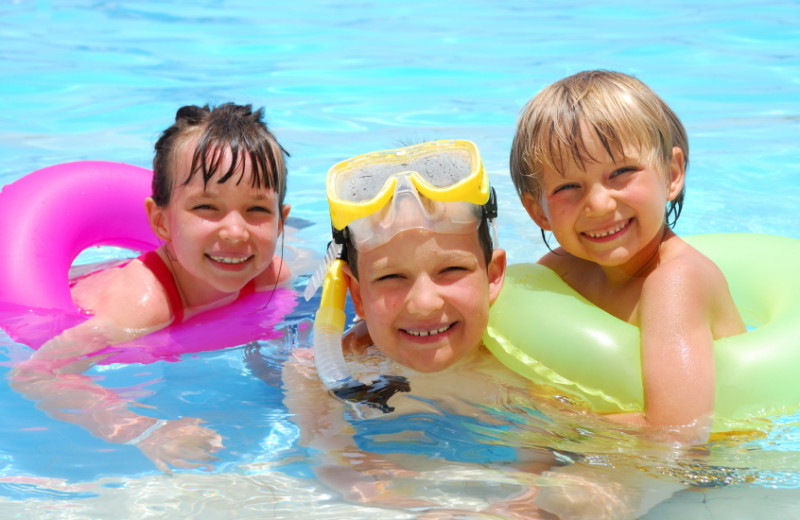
(159, 268)
(248, 289)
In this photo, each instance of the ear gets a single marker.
(284, 215)
(355, 290)
(157, 218)
(497, 273)
(677, 173)
(535, 210)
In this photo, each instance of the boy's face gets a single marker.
(605, 211)
(220, 235)
(425, 296)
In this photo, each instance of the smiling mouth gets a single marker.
(426, 333)
(230, 259)
(609, 232)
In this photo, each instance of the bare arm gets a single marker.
(360, 476)
(54, 378)
(675, 317)
(277, 272)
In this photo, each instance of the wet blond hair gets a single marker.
(619, 109)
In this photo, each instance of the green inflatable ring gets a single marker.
(547, 332)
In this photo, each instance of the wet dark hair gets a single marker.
(228, 127)
(350, 252)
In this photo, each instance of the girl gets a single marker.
(219, 180)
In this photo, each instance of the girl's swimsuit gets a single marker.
(159, 268)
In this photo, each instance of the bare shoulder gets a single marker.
(129, 296)
(480, 379)
(684, 267)
(277, 272)
(564, 263)
(555, 259)
(694, 282)
(578, 273)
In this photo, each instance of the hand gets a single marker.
(356, 339)
(519, 507)
(578, 493)
(366, 478)
(178, 443)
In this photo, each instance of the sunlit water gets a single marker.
(91, 80)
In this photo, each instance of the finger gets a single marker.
(185, 464)
(161, 465)
(216, 443)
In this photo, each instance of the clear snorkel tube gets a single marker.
(329, 327)
(447, 213)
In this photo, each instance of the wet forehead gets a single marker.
(588, 150)
(416, 246)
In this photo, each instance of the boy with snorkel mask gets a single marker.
(412, 243)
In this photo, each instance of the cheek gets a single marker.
(556, 211)
(472, 296)
(382, 298)
(374, 308)
(267, 235)
(564, 206)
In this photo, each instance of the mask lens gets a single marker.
(443, 168)
(364, 180)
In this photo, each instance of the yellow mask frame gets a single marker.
(445, 170)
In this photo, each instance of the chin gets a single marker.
(436, 363)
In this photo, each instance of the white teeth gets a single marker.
(229, 260)
(423, 333)
(606, 233)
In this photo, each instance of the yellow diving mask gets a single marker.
(445, 171)
(438, 185)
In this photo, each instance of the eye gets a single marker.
(565, 187)
(622, 171)
(201, 207)
(260, 209)
(390, 276)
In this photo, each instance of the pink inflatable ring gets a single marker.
(49, 216)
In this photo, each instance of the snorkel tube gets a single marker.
(328, 329)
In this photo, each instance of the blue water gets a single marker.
(100, 80)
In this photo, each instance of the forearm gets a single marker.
(76, 399)
(687, 434)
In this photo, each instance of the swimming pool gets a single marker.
(87, 80)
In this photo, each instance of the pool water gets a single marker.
(99, 80)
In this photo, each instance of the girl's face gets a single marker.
(425, 296)
(611, 213)
(219, 236)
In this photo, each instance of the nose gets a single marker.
(424, 297)
(599, 200)
(234, 228)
